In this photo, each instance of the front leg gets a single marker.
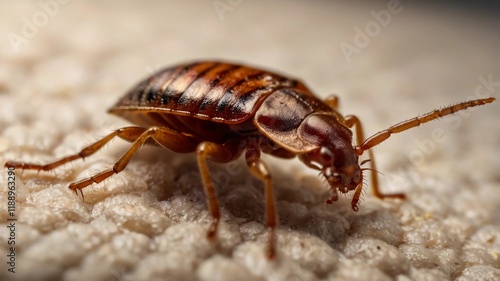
(351, 121)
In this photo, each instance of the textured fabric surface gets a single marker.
(63, 63)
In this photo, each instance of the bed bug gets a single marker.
(223, 110)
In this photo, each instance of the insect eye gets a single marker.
(326, 155)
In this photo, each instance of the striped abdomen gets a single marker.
(214, 91)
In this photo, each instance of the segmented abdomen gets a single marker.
(216, 91)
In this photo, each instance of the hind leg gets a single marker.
(127, 133)
(166, 137)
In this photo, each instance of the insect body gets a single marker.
(222, 110)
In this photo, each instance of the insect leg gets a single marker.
(357, 194)
(215, 153)
(164, 136)
(127, 133)
(351, 121)
(259, 169)
(332, 101)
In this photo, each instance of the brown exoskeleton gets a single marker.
(222, 110)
